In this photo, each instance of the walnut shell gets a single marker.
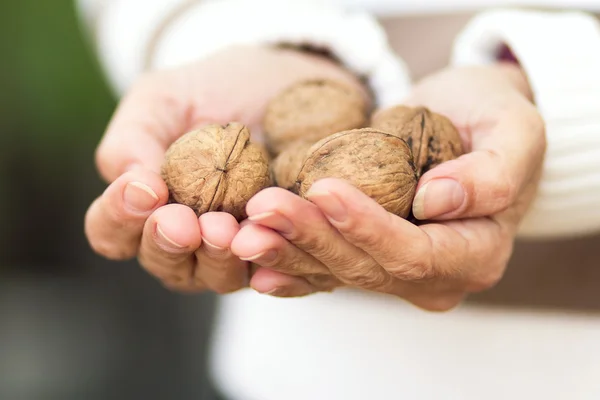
(377, 163)
(432, 137)
(311, 110)
(216, 168)
(288, 164)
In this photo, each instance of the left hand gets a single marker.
(343, 238)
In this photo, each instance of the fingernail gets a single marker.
(274, 220)
(438, 197)
(329, 204)
(213, 249)
(166, 241)
(140, 197)
(266, 257)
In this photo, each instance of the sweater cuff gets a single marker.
(560, 53)
(354, 39)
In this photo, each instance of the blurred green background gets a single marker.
(55, 104)
(74, 326)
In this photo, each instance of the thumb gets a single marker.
(507, 152)
(148, 119)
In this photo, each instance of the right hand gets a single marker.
(471, 212)
(131, 218)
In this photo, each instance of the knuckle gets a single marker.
(365, 238)
(314, 244)
(488, 279)
(491, 272)
(363, 275)
(279, 258)
(538, 133)
(499, 189)
(506, 192)
(414, 271)
(536, 123)
(363, 232)
(503, 188)
(358, 218)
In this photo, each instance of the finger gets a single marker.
(395, 244)
(305, 226)
(266, 248)
(278, 284)
(170, 238)
(146, 122)
(457, 255)
(507, 150)
(472, 253)
(216, 266)
(114, 222)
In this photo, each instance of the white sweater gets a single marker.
(351, 346)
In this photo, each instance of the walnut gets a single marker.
(377, 163)
(432, 137)
(288, 164)
(311, 110)
(216, 168)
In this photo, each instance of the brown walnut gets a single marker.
(288, 164)
(377, 163)
(311, 110)
(216, 168)
(432, 137)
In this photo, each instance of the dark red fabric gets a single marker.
(505, 54)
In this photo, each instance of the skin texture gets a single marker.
(340, 237)
(474, 205)
(131, 219)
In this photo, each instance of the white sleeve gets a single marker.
(133, 36)
(560, 53)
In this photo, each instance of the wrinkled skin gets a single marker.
(471, 207)
(132, 217)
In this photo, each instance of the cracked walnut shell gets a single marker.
(377, 163)
(432, 137)
(216, 168)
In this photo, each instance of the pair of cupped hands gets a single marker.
(337, 237)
